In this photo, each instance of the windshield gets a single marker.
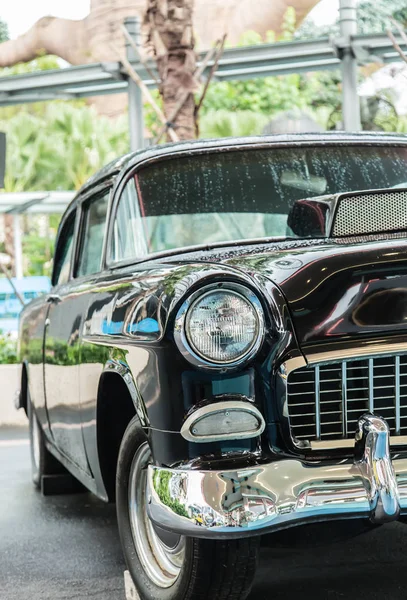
(245, 194)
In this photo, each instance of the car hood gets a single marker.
(334, 290)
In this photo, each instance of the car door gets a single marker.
(68, 303)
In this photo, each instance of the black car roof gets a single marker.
(219, 144)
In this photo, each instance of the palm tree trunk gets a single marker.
(171, 40)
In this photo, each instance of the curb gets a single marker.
(130, 589)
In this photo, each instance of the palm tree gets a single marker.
(59, 150)
(83, 142)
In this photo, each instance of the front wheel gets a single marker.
(166, 565)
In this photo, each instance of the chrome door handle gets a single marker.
(53, 298)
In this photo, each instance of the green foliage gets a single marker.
(8, 349)
(40, 251)
(3, 31)
(58, 149)
(161, 485)
(263, 95)
(251, 38)
(401, 16)
(223, 123)
(30, 154)
(62, 148)
(373, 17)
(44, 62)
(267, 96)
(83, 142)
(289, 25)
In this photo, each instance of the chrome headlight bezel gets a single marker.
(181, 320)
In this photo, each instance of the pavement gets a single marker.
(67, 548)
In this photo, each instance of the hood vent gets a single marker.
(350, 214)
(371, 213)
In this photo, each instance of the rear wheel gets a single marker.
(166, 565)
(42, 461)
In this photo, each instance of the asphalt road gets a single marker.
(67, 548)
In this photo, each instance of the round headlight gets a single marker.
(223, 326)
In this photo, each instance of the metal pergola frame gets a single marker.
(250, 62)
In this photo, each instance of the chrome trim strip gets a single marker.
(371, 386)
(225, 406)
(264, 498)
(365, 351)
(397, 390)
(317, 404)
(292, 364)
(395, 440)
(344, 401)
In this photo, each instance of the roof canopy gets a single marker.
(236, 63)
(35, 202)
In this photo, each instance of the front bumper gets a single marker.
(262, 499)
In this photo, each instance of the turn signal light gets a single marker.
(226, 420)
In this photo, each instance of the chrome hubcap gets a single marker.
(162, 562)
(35, 441)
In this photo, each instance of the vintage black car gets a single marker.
(224, 349)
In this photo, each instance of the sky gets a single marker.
(325, 12)
(20, 15)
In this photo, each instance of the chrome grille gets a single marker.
(325, 401)
(371, 213)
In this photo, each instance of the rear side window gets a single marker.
(92, 235)
(128, 233)
(63, 254)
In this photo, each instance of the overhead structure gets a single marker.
(350, 101)
(39, 203)
(16, 203)
(264, 60)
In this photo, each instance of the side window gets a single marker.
(92, 235)
(128, 233)
(63, 254)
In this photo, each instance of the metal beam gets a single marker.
(236, 63)
(34, 202)
(350, 99)
(136, 118)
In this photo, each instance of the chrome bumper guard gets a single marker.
(261, 499)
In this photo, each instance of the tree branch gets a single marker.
(212, 72)
(144, 90)
(137, 51)
(394, 41)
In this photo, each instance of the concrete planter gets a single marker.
(9, 384)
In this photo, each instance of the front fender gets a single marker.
(118, 365)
